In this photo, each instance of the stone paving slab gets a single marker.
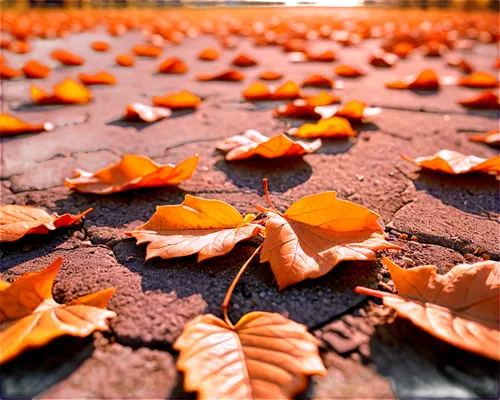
(450, 220)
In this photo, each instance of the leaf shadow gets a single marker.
(34, 107)
(473, 193)
(285, 173)
(140, 125)
(329, 296)
(420, 365)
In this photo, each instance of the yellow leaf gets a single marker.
(316, 233)
(132, 172)
(30, 317)
(208, 227)
(265, 356)
(460, 307)
(331, 127)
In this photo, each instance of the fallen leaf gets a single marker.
(173, 66)
(243, 61)
(460, 307)
(479, 80)
(100, 46)
(253, 143)
(270, 76)
(452, 162)
(124, 60)
(209, 228)
(35, 70)
(177, 101)
(380, 58)
(348, 72)
(321, 99)
(299, 109)
(30, 318)
(403, 49)
(208, 55)
(261, 92)
(138, 111)
(316, 233)
(354, 111)
(147, 50)
(19, 47)
(461, 64)
(492, 138)
(264, 356)
(294, 45)
(426, 80)
(66, 92)
(99, 78)
(331, 127)
(226, 76)
(325, 56)
(132, 172)
(67, 58)
(433, 48)
(18, 221)
(7, 72)
(10, 126)
(316, 80)
(485, 100)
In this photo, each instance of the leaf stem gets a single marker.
(371, 292)
(268, 198)
(227, 299)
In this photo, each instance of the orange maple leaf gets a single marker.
(10, 126)
(7, 72)
(321, 99)
(492, 138)
(330, 127)
(243, 61)
(348, 72)
(479, 80)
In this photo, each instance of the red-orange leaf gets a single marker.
(243, 60)
(348, 71)
(132, 172)
(380, 58)
(208, 55)
(124, 60)
(19, 47)
(228, 76)
(253, 143)
(403, 49)
(452, 162)
(479, 80)
(492, 138)
(138, 111)
(300, 109)
(35, 70)
(99, 78)
(485, 100)
(66, 92)
(321, 99)
(173, 66)
(19, 221)
(426, 80)
(10, 126)
(177, 101)
(317, 80)
(261, 92)
(67, 58)
(147, 50)
(325, 56)
(100, 46)
(357, 111)
(7, 72)
(270, 76)
(461, 64)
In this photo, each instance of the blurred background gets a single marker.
(464, 4)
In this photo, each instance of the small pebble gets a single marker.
(205, 169)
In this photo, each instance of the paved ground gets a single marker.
(453, 219)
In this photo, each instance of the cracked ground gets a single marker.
(437, 219)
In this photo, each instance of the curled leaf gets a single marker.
(479, 80)
(270, 76)
(318, 232)
(66, 92)
(225, 76)
(31, 318)
(264, 356)
(209, 228)
(316, 80)
(10, 126)
(124, 60)
(492, 138)
(147, 50)
(452, 162)
(177, 101)
(132, 172)
(35, 70)
(253, 143)
(173, 66)
(486, 100)
(460, 307)
(67, 58)
(18, 221)
(331, 127)
(99, 78)
(208, 55)
(426, 80)
(100, 46)
(146, 113)
(243, 60)
(348, 71)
